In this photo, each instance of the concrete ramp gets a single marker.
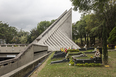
(59, 34)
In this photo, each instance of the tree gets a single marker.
(81, 28)
(23, 39)
(93, 28)
(75, 32)
(42, 26)
(15, 40)
(34, 34)
(112, 37)
(7, 32)
(102, 7)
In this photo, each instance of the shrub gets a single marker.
(73, 50)
(78, 64)
(71, 62)
(81, 64)
(89, 64)
(86, 64)
(92, 64)
(97, 64)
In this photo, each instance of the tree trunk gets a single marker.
(105, 52)
(94, 40)
(81, 41)
(87, 41)
(91, 41)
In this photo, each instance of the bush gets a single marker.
(92, 64)
(71, 62)
(78, 64)
(73, 50)
(89, 64)
(86, 64)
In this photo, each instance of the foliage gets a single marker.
(105, 10)
(112, 37)
(42, 26)
(81, 29)
(89, 64)
(23, 39)
(15, 39)
(71, 62)
(33, 34)
(7, 32)
(75, 34)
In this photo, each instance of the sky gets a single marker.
(26, 14)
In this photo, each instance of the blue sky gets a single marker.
(25, 14)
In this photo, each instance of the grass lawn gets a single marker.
(64, 70)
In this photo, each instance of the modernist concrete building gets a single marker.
(56, 36)
(59, 34)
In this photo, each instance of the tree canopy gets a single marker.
(13, 35)
(7, 32)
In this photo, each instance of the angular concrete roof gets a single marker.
(59, 34)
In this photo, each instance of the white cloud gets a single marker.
(25, 14)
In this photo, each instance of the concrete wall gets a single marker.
(66, 26)
(23, 70)
(22, 58)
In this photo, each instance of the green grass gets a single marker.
(64, 70)
(57, 59)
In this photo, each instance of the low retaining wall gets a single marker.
(12, 47)
(23, 70)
